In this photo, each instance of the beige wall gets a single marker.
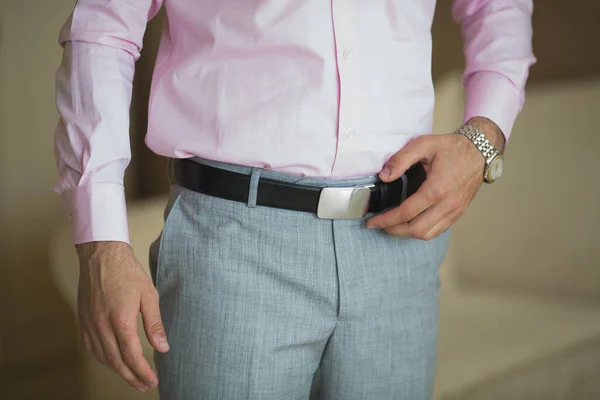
(36, 329)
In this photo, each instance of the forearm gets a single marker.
(498, 55)
(92, 138)
(102, 40)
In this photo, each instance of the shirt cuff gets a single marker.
(97, 212)
(493, 96)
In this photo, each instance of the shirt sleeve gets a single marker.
(498, 50)
(101, 40)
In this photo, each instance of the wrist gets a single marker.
(93, 250)
(489, 146)
(491, 131)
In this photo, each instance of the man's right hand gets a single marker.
(113, 289)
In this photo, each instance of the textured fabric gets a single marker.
(263, 303)
(308, 87)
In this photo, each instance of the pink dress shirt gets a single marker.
(321, 88)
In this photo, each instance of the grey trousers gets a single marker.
(269, 304)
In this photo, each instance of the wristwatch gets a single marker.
(494, 163)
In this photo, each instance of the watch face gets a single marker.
(496, 167)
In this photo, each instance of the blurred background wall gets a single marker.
(37, 331)
(38, 339)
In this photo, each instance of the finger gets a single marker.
(439, 228)
(456, 208)
(115, 360)
(96, 344)
(125, 328)
(155, 331)
(423, 223)
(418, 149)
(414, 205)
(85, 339)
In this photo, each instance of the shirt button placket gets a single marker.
(347, 79)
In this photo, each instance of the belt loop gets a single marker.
(253, 189)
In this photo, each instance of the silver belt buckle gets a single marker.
(344, 202)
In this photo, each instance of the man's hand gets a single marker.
(454, 175)
(113, 289)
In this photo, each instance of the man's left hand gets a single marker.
(454, 169)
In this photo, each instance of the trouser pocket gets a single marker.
(175, 195)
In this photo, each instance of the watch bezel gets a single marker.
(496, 158)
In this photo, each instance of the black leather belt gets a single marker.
(330, 202)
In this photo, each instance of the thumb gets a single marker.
(155, 331)
(418, 149)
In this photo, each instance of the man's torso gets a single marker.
(323, 89)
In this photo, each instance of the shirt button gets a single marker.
(347, 54)
(350, 132)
